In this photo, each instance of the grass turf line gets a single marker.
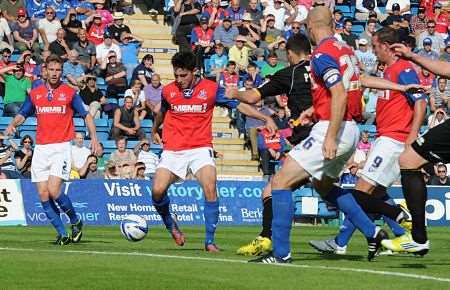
(30, 269)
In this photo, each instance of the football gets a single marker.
(134, 227)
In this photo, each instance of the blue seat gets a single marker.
(4, 122)
(79, 124)
(372, 129)
(120, 103)
(31, 133)
(29, 124)
(146, 123)
(14, 57)
(101, 81)
(132, 143)
(102, 136)
(112, 100)
(101, 125)
(357, 29)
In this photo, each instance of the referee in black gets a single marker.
(293, 81)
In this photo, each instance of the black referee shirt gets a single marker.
(295, 82)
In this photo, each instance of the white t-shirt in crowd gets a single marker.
(79, 155)
(136, 101)
(50, 29)
(402, 3)
(150, 160)
(102, 51)
(280, 16)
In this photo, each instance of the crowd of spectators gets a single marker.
(237, 43)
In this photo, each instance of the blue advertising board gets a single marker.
(106, 202)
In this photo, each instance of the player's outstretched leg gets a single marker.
(262, 244)
(337, 245)
(65, 204)
(345, 201)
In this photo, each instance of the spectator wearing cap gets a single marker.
(419, 22)
(73, 72)
(272, 65)
(103, 49)
(218, 61)
(17, 86)
(36, 9)
(61, 7)
(147, 157)
(10, 9)
(144, 71)
(59, 45)
(441, 19)
(115, 76)
(202, 41)
(279, 47)
(235, 12)
(248, 29)
(5, 33)
(152, 93)
(86, 50)
(226, 33)
(92, 97)
(118, 27)
(48, 27)
(367, 60)
(368, 32)
(364, 7)
(445, 56)
(438, 44)
(240, 52)
(187, 11)
(71, 25)
(279, 12)
(213, 11)
(106, 15)
(129, 49)
(255, 13)
(404, 7)
(25, 34)
(96, 29)
(269, 33)
(347, 35)
(427, 51)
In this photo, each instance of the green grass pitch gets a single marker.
(105, 260)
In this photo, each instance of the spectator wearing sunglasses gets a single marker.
(438, 44)
(24, 156)
(10, 8)
(48, 27)
(16, 88)
(296, 28)
(441, 178)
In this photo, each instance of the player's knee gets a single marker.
(279, 182)
(44, 195)
(210, 192)
(158, 191)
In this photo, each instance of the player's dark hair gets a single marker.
(54, 58)
(387, 35)
(184, 60)
(299, 44)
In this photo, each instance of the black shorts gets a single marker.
(434, 145)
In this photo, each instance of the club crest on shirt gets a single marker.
(172, 95)
(202, 95)
(38, 96)
(62, 97)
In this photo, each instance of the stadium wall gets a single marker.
(106, 202)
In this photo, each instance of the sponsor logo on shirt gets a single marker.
(189, 108)
(51, 109)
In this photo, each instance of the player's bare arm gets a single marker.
(250, 111)
(435, 66)
(247, 96)
(159, 117)
(16, 122)
(382, 84)
(90, 124)
(338, 107)
(420, 108)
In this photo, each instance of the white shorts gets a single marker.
(180, 162)
(309, 152)
(51, 159)
(382, 167)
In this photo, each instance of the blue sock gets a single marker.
(397, 229)
(54, 206)
(162, 207)
(345, 233)
(66, 205)
(345, 201)
(283, 214)
(211, 214)
(54, 218)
